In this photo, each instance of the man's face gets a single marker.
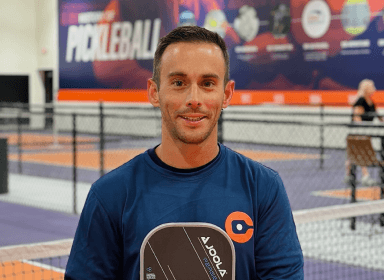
(192, 92)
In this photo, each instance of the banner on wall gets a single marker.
(106, 48)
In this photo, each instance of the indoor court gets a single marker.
(50, 193)
(77, 102)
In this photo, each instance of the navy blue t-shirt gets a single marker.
(123, 206)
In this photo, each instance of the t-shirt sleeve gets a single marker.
(278, 253)
(95, 253)
(360, 102)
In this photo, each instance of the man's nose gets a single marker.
(193, 99)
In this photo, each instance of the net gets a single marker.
(35, 261)
(332, 250)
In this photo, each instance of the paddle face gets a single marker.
(187, 251)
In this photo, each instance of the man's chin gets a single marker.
(193, 139)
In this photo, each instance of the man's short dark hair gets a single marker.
(193, 34)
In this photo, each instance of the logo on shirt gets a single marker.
(239, 227)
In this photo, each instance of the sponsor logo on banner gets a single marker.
(216, 21)
(280, 20)
(186, 18)
(247, 23)
(316, 18)
(355, 16)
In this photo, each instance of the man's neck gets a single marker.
(183, 156)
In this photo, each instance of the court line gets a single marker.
(171, 272)
(208, 258)
(89, 160)
(157, 260)
(36, 250)
(197, 253)
(45, 266)
(362, 193)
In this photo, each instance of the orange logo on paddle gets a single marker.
(239, 227)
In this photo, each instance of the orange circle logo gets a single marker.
(238, 218)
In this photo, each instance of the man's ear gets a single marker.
(153, 94)
(228, 93)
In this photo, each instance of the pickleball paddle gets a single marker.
(187, 251)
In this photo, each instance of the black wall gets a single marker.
(14, 88)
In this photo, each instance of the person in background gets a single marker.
(364, 110)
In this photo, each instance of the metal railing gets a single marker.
(89, 141)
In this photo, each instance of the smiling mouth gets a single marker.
(192, 119)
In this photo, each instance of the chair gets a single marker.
(361, 153)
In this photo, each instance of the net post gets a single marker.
(382, 193)
(101, 138)
(19, 142)
(321, 136)
(55, 129)
(382, 179)
(3, 166)
(220, 137)
(353, 193)
(74, 154)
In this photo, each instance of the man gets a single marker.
(189, 177)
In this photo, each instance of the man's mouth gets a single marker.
(191, 119)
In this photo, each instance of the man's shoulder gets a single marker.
(117, 179)
(266, 181)
(113, 190)
(243, 159)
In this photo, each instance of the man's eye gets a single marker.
(178, 83)
(209, 84)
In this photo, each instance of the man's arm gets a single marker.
(278, 254)
(96, 251)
